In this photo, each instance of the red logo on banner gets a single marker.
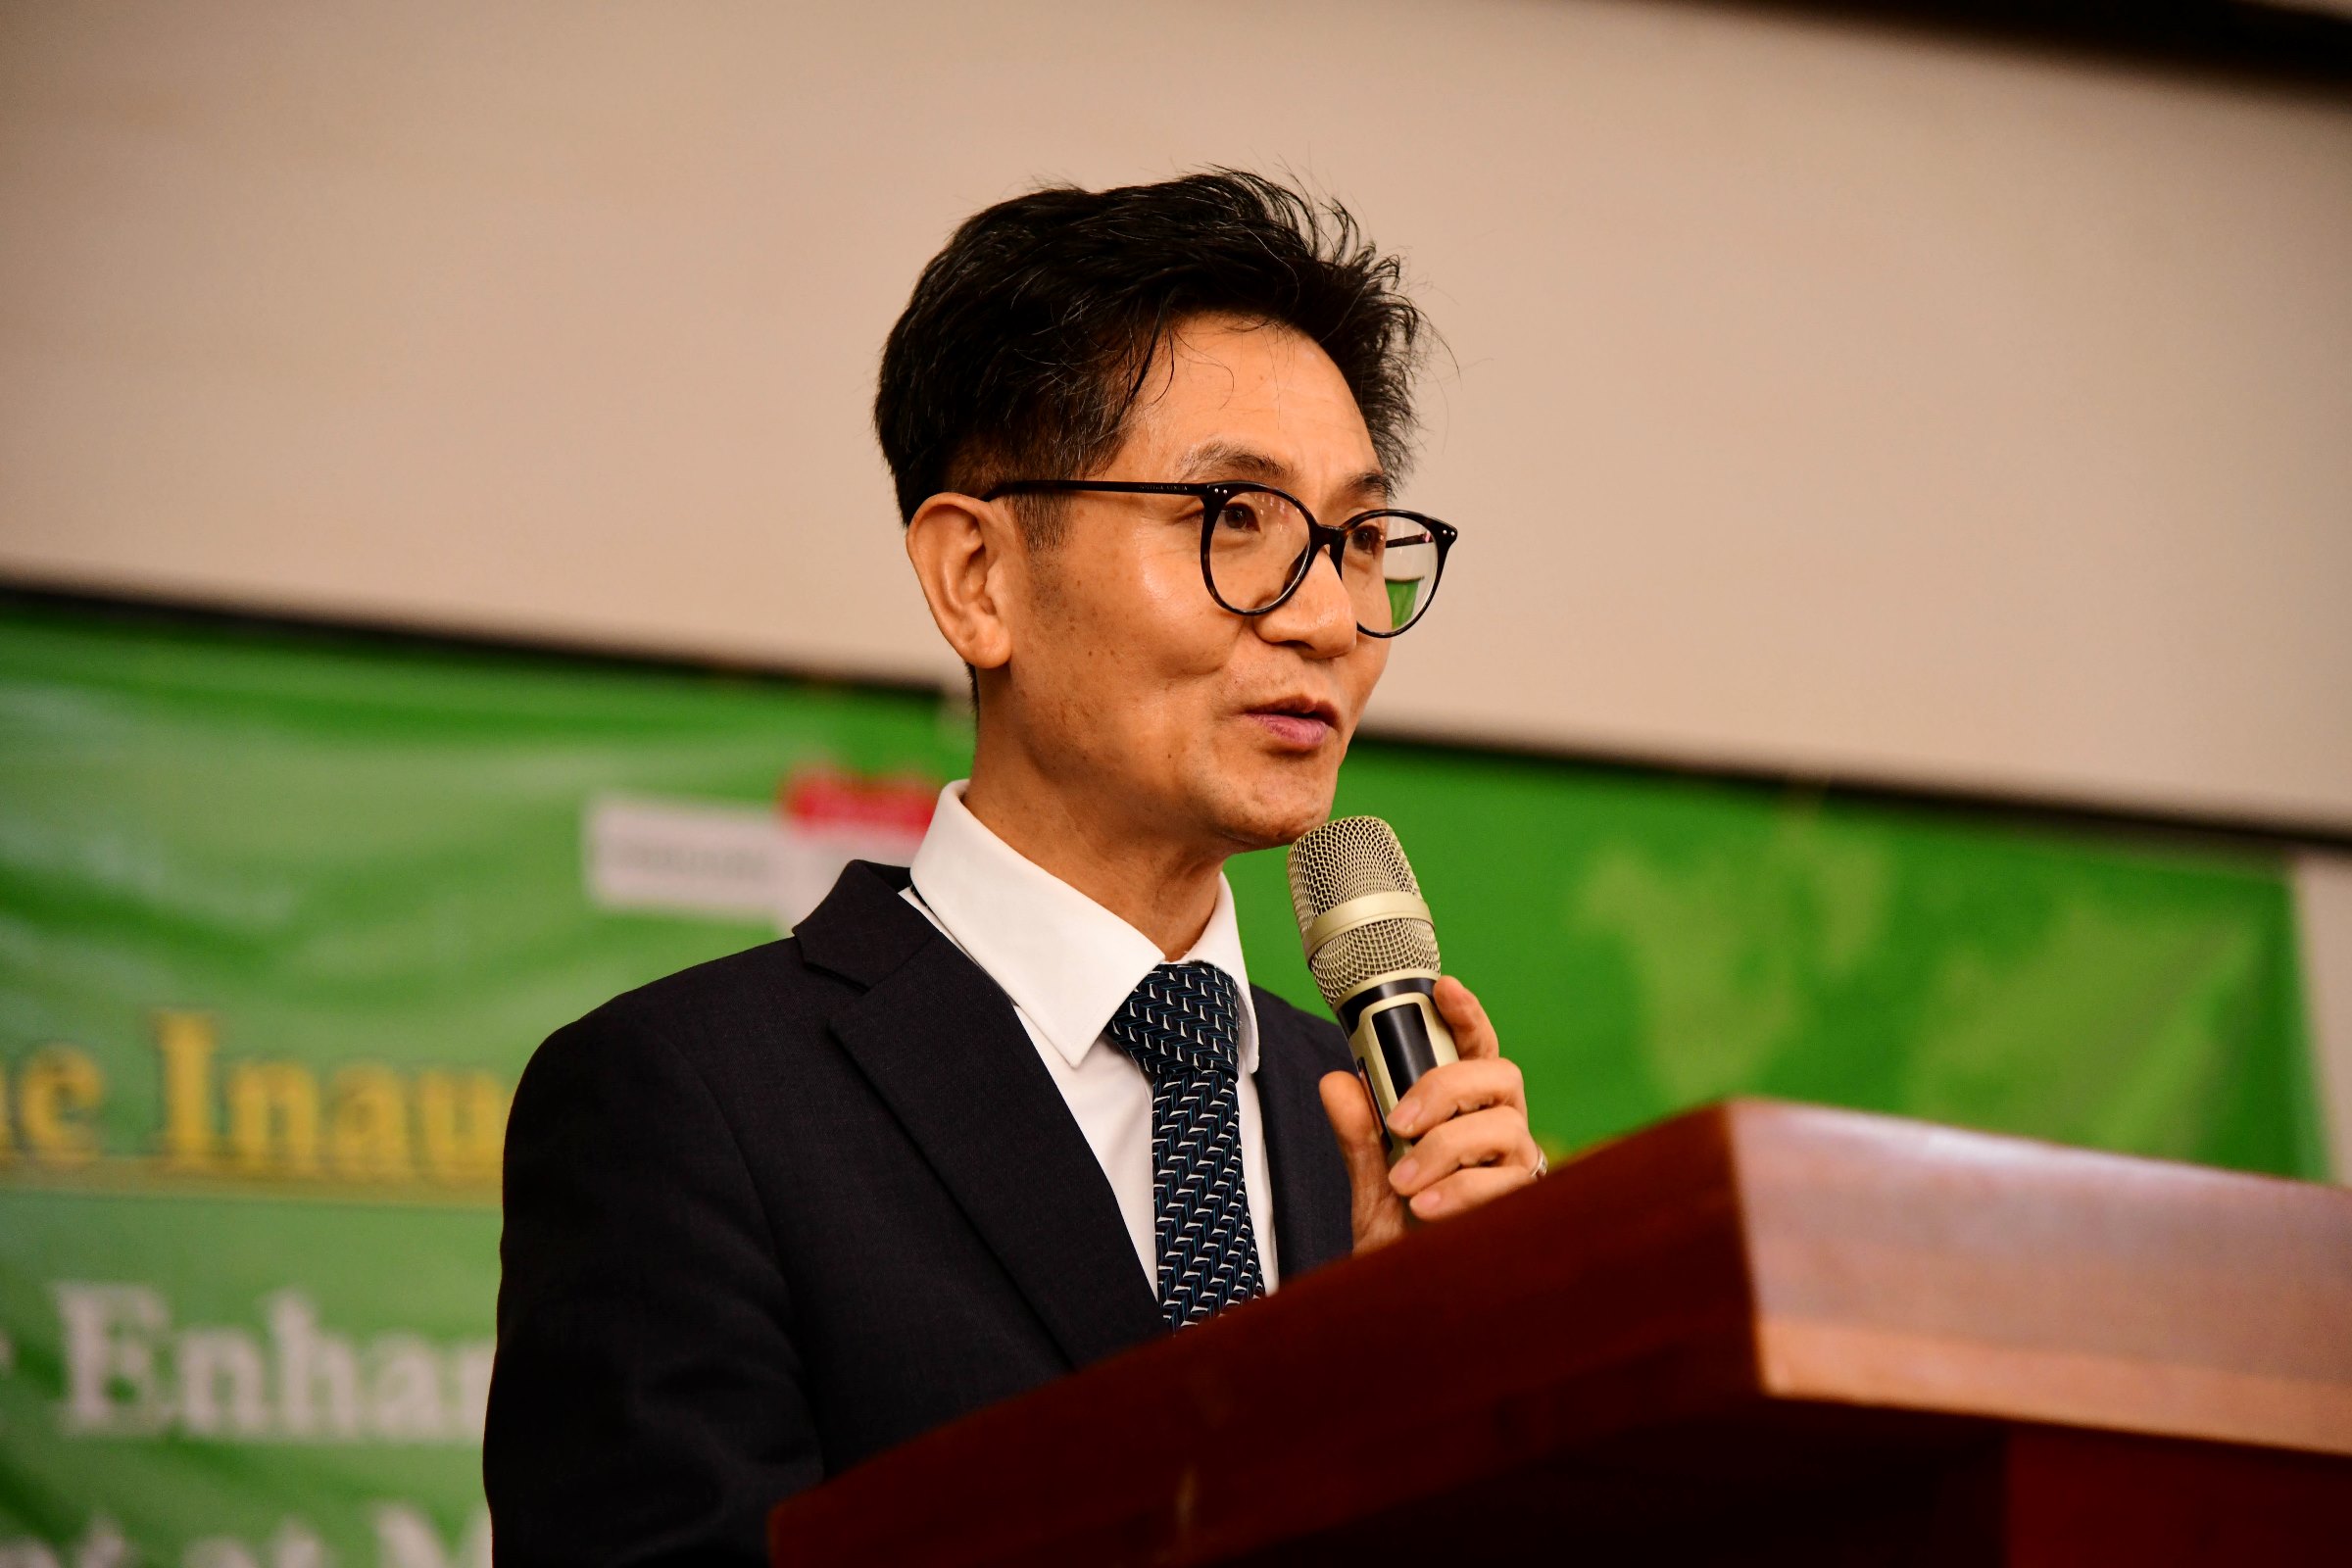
(829, 801)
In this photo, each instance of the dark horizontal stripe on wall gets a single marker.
(2220, 830)
(2248, 40)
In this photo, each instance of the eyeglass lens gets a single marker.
(1389, 563)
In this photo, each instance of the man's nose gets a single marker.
(1320, 617)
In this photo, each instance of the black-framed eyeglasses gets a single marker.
(1257, 545)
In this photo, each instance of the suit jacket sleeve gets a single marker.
(647, 1404)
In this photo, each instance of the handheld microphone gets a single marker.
(1373, 952)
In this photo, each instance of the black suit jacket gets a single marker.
(773, 1214)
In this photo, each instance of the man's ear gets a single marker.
(966, 555)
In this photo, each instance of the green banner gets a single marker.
(282, 913)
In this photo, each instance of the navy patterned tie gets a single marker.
(1183, 1027)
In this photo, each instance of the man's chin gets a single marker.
(1269, 818)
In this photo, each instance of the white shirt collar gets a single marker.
(1068, 963)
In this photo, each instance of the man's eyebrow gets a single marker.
(1229, 460)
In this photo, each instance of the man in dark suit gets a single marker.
(990, 1118)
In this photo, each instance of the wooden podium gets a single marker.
(1757, 1334)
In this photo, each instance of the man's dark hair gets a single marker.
(1028, 338)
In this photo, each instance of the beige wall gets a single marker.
(1826, 400)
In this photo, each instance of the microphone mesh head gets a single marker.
(1347, 860)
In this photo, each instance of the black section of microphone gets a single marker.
(1406, 1047)
(1352, 1009)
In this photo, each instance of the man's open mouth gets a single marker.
(1300, 720)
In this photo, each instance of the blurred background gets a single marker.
(1900, 655)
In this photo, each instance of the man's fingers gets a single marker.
(1465, 1190)
(1495, 1136)
(1468, 1117)
(1473, 1032)
(1455, 1088)
(1350, 1108)
(1376, 1214)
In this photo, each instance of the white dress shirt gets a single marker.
(1069, 966)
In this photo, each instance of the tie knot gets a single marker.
(1184, 1019)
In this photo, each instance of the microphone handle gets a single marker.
(1395, 1031)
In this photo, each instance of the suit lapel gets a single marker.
(944, 1050)
(1312, 1225)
